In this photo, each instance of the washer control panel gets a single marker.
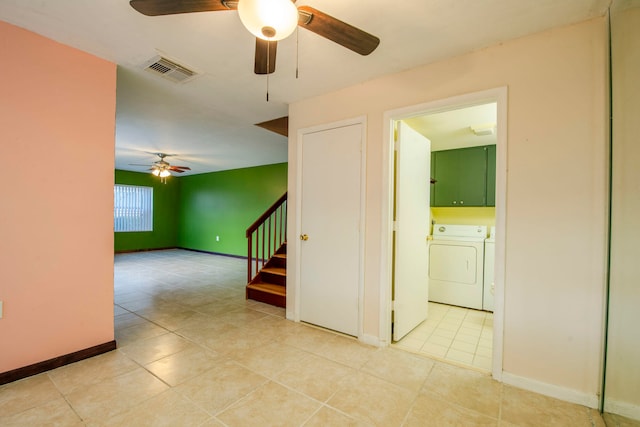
(459, 231)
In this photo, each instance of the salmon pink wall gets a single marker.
(57, 128)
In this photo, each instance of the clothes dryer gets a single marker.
(456, 265)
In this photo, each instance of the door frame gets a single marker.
(362, 121)
(498, 95)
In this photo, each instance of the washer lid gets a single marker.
(459, 232)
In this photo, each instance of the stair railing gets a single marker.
(265, 236)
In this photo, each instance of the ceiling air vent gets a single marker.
(170, 70)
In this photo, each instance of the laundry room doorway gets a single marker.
(470, 129)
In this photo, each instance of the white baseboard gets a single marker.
(551, 390)
(371, 340)
(621, 408)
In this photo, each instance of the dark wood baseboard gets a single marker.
(178, 247)
(131, 251)
(214, 253)
(56, 362)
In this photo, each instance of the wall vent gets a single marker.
(170, 70)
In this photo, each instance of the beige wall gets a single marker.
(556, 191)
(622, 392)
(57, 124)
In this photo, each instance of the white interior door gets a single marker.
(411, 274)
(330, 254)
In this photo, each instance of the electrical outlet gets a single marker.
(217, 238)
(0, 309)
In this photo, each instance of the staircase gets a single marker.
(270, 285)
(267, 256)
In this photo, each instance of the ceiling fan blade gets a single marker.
(138, 164)
(279, 125)
(171, 7)
(179, 169)
(337, 31)
(265, 54)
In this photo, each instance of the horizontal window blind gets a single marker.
(133, 208)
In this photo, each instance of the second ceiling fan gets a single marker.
(269, 21)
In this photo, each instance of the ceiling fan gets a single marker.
(162, 168)
(269, 21)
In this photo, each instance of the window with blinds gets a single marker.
(133, 208)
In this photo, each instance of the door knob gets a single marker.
(304, 237)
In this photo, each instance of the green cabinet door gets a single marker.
(472, 176)
(461, 177)
(491, 175)
(446, 176)
(432, 184)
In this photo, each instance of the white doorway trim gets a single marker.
(296, 244)
(498, 95)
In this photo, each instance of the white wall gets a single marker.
(622, 392)
(556, 192)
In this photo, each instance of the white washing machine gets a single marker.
(456, 265)
(489, 265)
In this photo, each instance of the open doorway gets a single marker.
(461, 321)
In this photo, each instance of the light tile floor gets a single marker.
(455, 334)
(193, 352)
(613, 420)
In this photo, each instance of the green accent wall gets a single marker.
(165, 214)
(225, 204)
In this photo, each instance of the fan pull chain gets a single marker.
(268, 55)
(297, 49)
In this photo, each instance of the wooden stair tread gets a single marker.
(269, 288)
(280, 271)
(284, 256)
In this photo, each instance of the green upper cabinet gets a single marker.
(462, 176)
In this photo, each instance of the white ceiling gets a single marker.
(459, 128)
(209, 122)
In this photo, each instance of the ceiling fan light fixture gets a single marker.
(155, 172)
(268, 19)
(165, 173)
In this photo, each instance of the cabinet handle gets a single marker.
(462, 202)
(454, 202)
(304, 237)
